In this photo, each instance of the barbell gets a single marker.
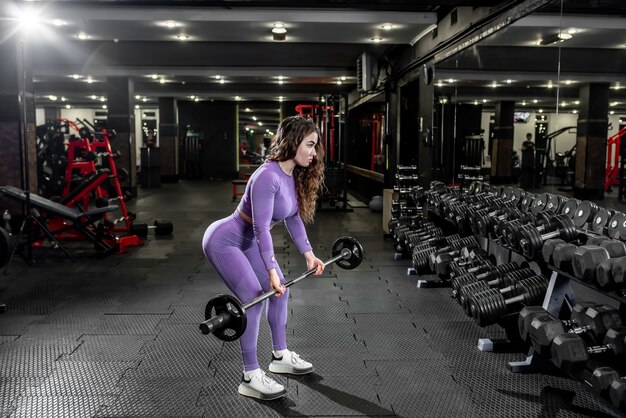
(225, 316)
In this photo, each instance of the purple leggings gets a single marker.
(229, 244)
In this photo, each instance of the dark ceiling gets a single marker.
(223, 50)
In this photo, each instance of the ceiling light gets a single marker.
(281, 81)
(82, 36)
(556, 37)
(104, 106)
(278, 25)
(182, 37)
(89, 80)
(616, 87)
(238, 98)
(267, 130)
(260, 123)
(145, 99)
(494, 84)
(563, 103)
(614, 104)
(253, 117)
(53, 97)
(439, 84)
(342, 78)
(475, 102)
(103, 99)
(572, 31)
(509, 81)
(137, 97)
(574, 111)
(565, 36)
(540, 111)
(577, 102)
(550, 85)
(451, 80)
(612, 112)
(196, 99)
(28, 19)
(75, 76)
(217, 77)
(63, 98)
(154, 76)
(279, 32)
(67, 106)
(281, 98)
(339, 82)
(376, 40)
(93, 97)
(222, 81)
(535, 100)
(170, 24)
(59, 22)
(386, 26)
(484, 100)
(248, 109)
(162, 81)
(524, 103)
(568, 82)
(136, 106)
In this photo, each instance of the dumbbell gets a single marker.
(606, 382)
(563, 253)
(489, 306)
(531, 240)
(505, 280)
(570, 353)
(421, 258)
(161, 227)
(473, 276)
(597, 320)
(587, 258)
(440, 263)
(616, 278)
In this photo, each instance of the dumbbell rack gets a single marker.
(559, 297)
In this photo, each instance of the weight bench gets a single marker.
(82, 221)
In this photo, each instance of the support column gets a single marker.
(168, 138)
(591, 141)
(502, 148)
(391, 140)
(121, 118)
(18, 158)
(426, 133)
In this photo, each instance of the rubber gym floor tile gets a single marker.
(12, 323)
(316, 334)
(12, 387)
(337, 395)
(375, 305)
(366, 324)
(8, 338)
(29, 361)
(583, 401)
(406, 347)
(110, 348)
(430, 404)
(183, 336)
(59, 406)
(127, 324)
(337, 363)
(336, 312)
(84, 379)
(185, 314)
(175, 362)
(235, 405)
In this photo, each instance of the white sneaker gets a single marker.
(256, 384)
(287, 361)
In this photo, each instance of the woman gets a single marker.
(240, 247)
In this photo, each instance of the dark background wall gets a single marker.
(216, 124)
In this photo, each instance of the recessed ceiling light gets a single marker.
(137, 97)
(237, 98)
(170, 24)
(222, 81)
(574, 111)
(577, 102)
(93, 97)
(342, 78)
(535, 100)
(196, 99)
(217, 77)
(386, 26)
(59, 22)
(339, 82)
(612, 104)
(563, 103)
(279, 25)
(103, 99)
(484, 100)
(279, 30)
(376, 40)
(75, 76)
(540, 111)
(162, 81)
(53, 97)
(565, 36)
(182, 37)
(253, 117)
(260, 123)
(451, 80)
(572, 31)
(136, 106)
(475, 102)
(248, 109)
(104, 106)
(154, 76)
(63, 98)
(144, 99)
(524, 103)
(612, 112)
(439, 84)
(281, 98)
(568, 82)
(82, 36)
(494, 84)
(67, 106)
(509, 81)
(89, 80)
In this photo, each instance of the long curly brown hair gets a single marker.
(309, 180)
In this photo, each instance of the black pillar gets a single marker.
(18, 158)
(51, 113)
(502, 148)
(121, 118)
(168, 138)
(591, 141)
(391, 141)
(425, 133)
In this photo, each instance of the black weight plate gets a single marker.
(163, 227)
(540, 203)
(351, 260)
(236, 325)
(472, 188)
(554, 203)
(615, 224)
(497, 190)
(569, 208)
(584, 213)
(527, 202)
(600, 220)
(507, 193)
(518, 194)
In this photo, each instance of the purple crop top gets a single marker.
(270, 197)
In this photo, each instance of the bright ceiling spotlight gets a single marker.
(53, 97)
(342, 78)
(386, 26)
(82, 36)
(182, 37)
(222, 81)
(260, 123)
(339, 82)
(58, 22)
(67, 106)
(279, 32)
(376, 40)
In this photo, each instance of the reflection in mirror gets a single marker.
(522, 90)
(257, 125)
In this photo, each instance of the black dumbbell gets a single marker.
(605, 278)
(442, 262)
(161, 227)
(570, 352)
(528, 313)
(531, 241)
(471, 277)
(597, 320)
(467, 292)
(489, 306)
(587, 258)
